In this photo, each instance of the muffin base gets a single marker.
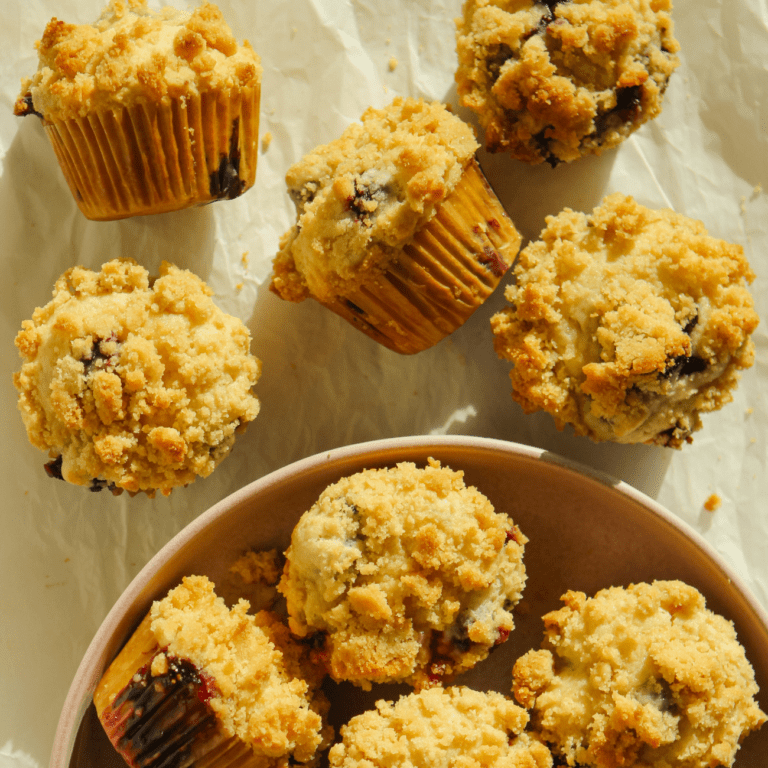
(154, 158)
(450, 267)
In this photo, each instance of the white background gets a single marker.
(66, 554)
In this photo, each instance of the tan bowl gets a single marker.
(586, 532)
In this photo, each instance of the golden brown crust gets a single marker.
(360, 198)
(133, 386)
(403, 574)
(628, 323)
(556, 80)
(441, 728)
(644, 676)
(133, 54)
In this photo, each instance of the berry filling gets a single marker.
(157, 720)
(628, 103)
(491, 259)
(53, 468)
(496, 60)
(684, 365)
(225, 183)
(103, 355)
(24, 107)
(365, 201)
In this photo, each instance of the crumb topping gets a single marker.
(360, 198)
(441, 728)
(403, 574)
(134, 54)
(132, 385)
(642, 676)
(558, 79)
(627, 323)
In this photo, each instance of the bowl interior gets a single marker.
(586, 533)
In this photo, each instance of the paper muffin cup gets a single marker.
(450, 267)
(148, 716)
(153, 158)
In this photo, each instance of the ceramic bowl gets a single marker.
(586, 531)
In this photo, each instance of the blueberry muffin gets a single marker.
(644, 676)
(558, 79)
(627, 323)
(440, 728)
(403, 574)
(133, 384)
(212, 687)
(147, 111)
(397, 230)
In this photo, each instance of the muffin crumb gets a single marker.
(713, 502)
(135, 53)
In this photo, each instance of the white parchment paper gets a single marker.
(66, 554)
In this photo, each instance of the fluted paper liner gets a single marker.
(163, 720)
(153, 158)
(442, 275)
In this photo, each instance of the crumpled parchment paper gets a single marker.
(66, 554)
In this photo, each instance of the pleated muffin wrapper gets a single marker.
(158, 157)
(163, 720)
(449, 268)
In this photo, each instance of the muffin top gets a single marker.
(135, 55)
(403, 574)
(362, 197)
(134, 385)
(640, 676)
(440, 728)
(559, 79)
(259, 692)
(627, 323)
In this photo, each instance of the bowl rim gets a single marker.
(73, 709)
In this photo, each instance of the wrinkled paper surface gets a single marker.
(66, 554)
